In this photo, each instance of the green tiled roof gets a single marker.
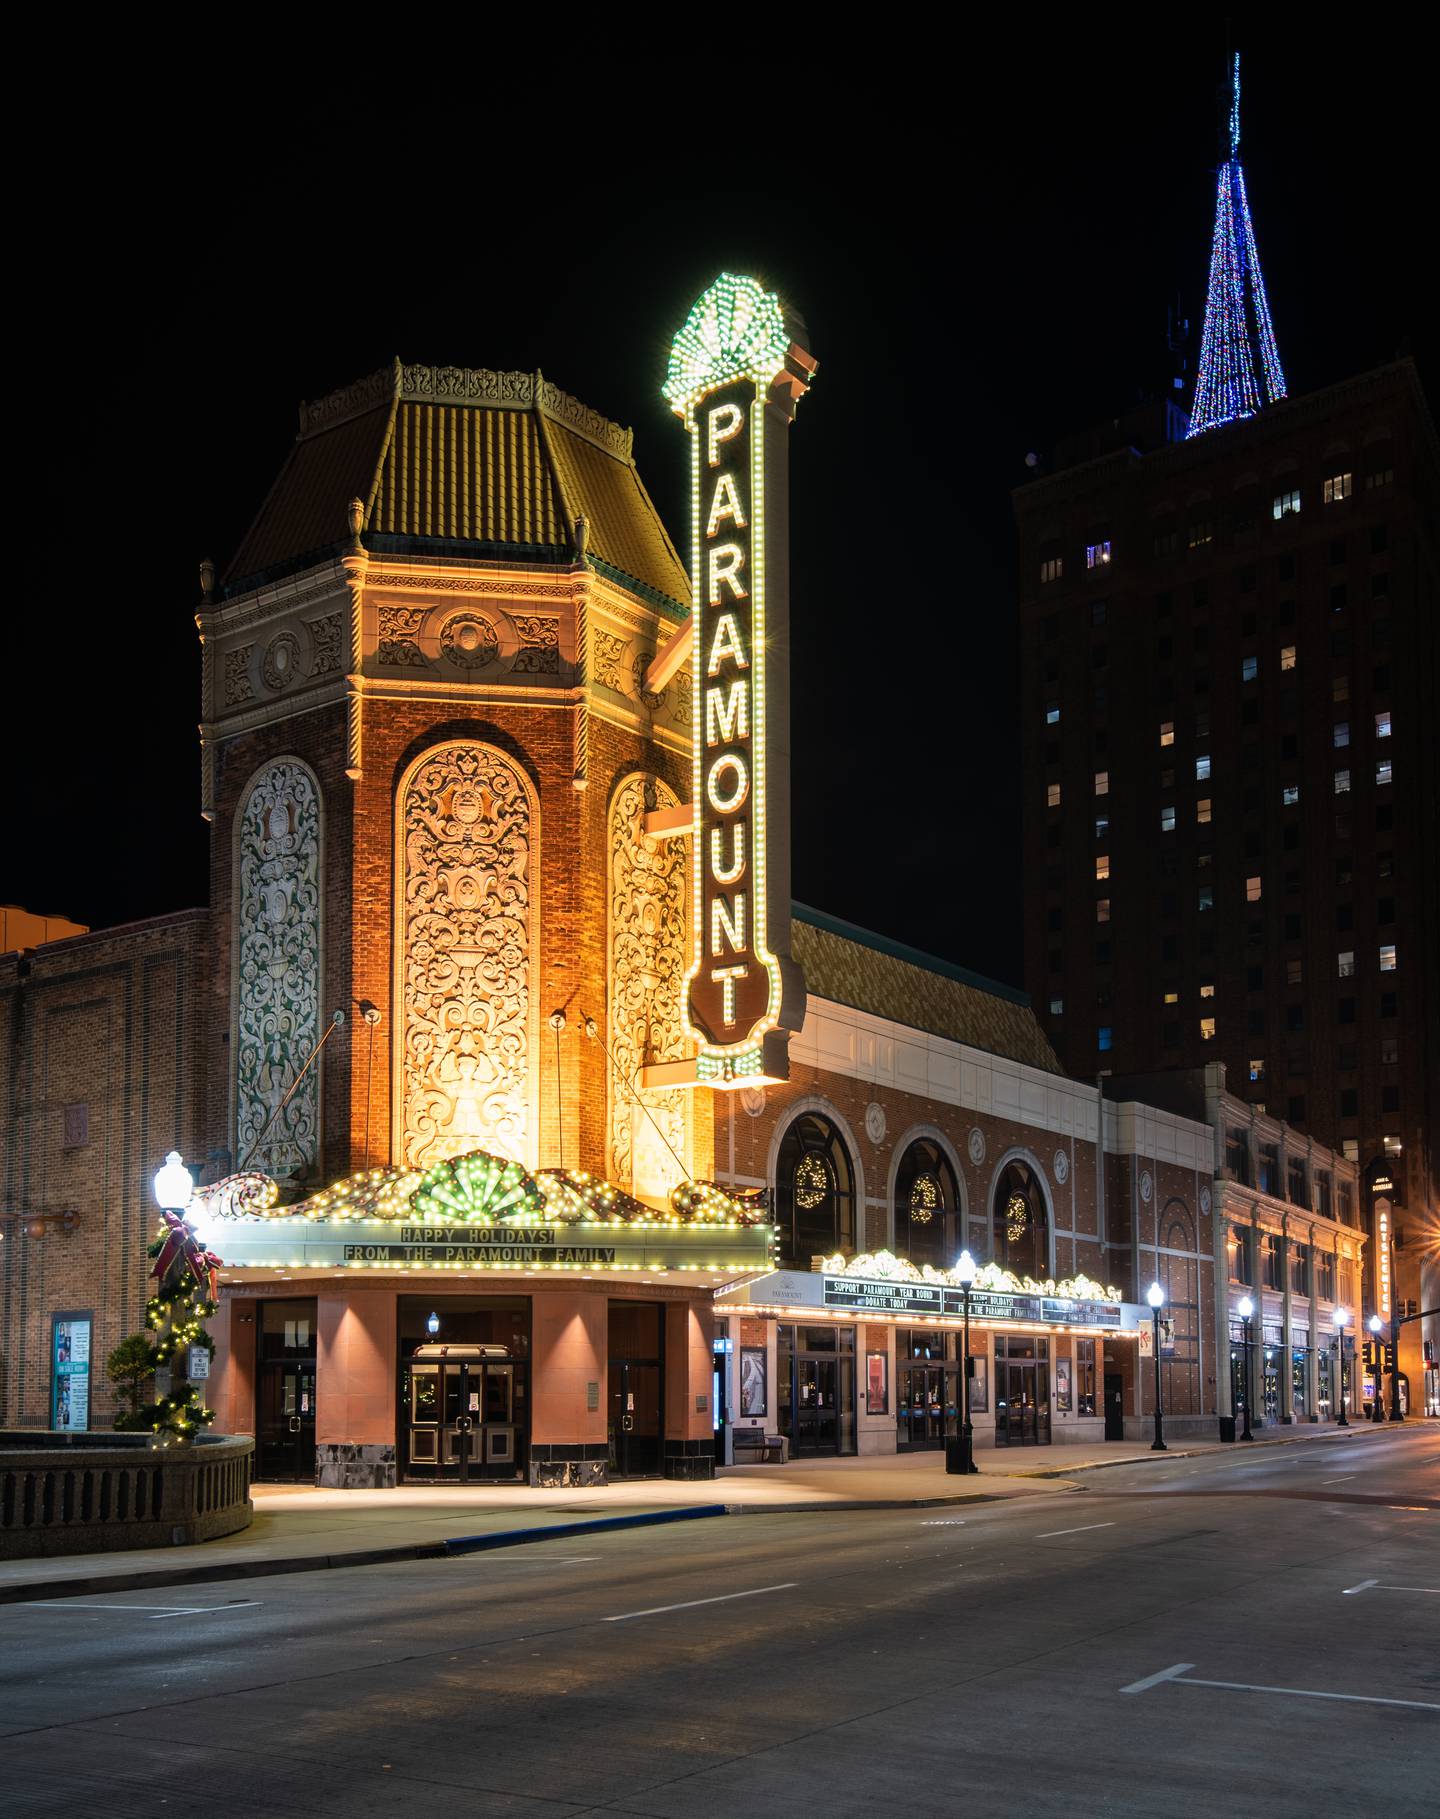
(849, 965)
(449, 457)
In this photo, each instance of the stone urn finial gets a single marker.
(207, 579)
(357, 521)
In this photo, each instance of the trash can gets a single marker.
(1227, 1427)
(956, 1462)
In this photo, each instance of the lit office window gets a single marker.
(1382, 725)
(1097, 554)
(1202, 809)
(1287, 657)
(1102, 1036)
(1341, 733)
(1102, 867)
(1167, 820)
(1171, 998)
(1167, 732)
(1383, 770)
(1201, 532)
(1053, 569)
(1342, 783)
(1207, 991)
(1350, 1149)
(1052, 714)
(1102, 826)
(1252, 890)
(1102, 783)
(1057, 1007)
(1207, 1029)
(1102, 911)
(1290, 794)
(1202, 767)
(1249, 668)
(1287, 503)
(1338, 487)
(1257, 1069)
(1052, 795)
(1391, 1145)
(1345, 964)
(1387, 957)
(1206, 899)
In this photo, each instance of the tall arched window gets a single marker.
(814, 1191)
(927, 1204)
(1019, 1227)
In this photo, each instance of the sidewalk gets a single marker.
(298, 1528)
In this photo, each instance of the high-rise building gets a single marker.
(1232, 795)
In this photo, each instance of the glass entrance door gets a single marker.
(461, 1421)
(817, 1405)
(926, 1405)
(1022, 1392)
(285, 1392)
(636, 1349)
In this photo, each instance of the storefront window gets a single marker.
(1020, 1233)
(1326, 1362)
(1085, 1403)
(1300, 1381)
(814, 1191)
(1270, 1389)
(927, 1206)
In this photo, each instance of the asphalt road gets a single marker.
(1151, 1645)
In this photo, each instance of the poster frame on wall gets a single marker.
(68, 1371)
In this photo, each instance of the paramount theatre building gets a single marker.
(540, 1136)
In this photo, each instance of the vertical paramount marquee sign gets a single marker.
(737, 370)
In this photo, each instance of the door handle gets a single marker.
(294, 1424)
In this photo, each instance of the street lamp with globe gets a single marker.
(961, 1458)
(1377, 1406)
(1155, 1295)
(1342, 1318)
(174, 1185)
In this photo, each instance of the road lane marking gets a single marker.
(1432, 1591)
(157, 1611)
(1364, 1586)
(659, 1610)
(1084, 1526)
(944, 1522)
(1166, 1673)
(1345, 1480)
(1176, 1676)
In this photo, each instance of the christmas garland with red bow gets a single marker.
(185, 1297)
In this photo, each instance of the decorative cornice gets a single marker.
(464, 385)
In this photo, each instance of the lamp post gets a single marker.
(174, 1185)
(432, 1325)
(1341, 1318)
(1155, 1295)
(1245, 1309)
(1377, 1403)
(962, 1460)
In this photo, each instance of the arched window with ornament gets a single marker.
(1020, 1221)
(814, 1191)
(928, 1207)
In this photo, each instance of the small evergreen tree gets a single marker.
(130, 1367)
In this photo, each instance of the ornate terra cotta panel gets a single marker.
(647, 974)
(465, 1038)
(277, 968)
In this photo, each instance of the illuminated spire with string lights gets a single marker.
(1240, 371)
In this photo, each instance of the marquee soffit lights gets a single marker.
(484, 1191)
(885, 1266)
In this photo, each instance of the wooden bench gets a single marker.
(760, 1447)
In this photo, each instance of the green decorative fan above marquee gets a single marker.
(734, 331)
(478, 1190)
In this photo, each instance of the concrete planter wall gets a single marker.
(90, 1493)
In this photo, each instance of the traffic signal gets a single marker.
(1389, 1360)
(1370, 1348)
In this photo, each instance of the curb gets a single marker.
(1226, 1449)
(32, 1591)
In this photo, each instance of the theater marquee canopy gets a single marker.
(886, 1289)
(480, 1214)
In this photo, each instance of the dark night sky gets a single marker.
(984, 256)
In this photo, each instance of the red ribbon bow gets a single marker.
(181, 1245)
